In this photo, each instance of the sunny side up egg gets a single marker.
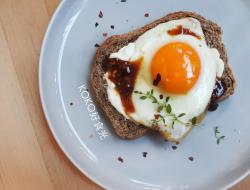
(175, 78)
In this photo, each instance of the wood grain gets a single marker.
(29, 155)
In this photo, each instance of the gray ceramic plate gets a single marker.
(84, 134)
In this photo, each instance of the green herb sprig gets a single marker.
(218, 135)
(167, 110)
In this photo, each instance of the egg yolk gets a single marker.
(178, 66)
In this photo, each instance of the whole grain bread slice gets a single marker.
(128, 129)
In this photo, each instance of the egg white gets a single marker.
(194, 102)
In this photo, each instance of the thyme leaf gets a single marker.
(218, 135)
(167, 110)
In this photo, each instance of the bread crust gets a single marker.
(126, 128)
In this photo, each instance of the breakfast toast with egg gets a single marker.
(129, 129)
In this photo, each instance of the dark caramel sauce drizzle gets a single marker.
(123, 74)
(219, 90)
(180, 30)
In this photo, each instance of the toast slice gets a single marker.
(128, 129)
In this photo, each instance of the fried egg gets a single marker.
(176, 77)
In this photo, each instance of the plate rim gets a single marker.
(48, 117)
(41, 93)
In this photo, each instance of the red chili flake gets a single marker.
(157, 116)
(97, 45)
(146, 15)
(96, 24)
(100, 14)
(177, 143)
(120, 159)
(191, 158)
(144, 154)
(71, 103)
(161, 96)
(157, 79)
(174, 147)
(104, 34)
(112, 27)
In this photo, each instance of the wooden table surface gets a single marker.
(29, 156)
